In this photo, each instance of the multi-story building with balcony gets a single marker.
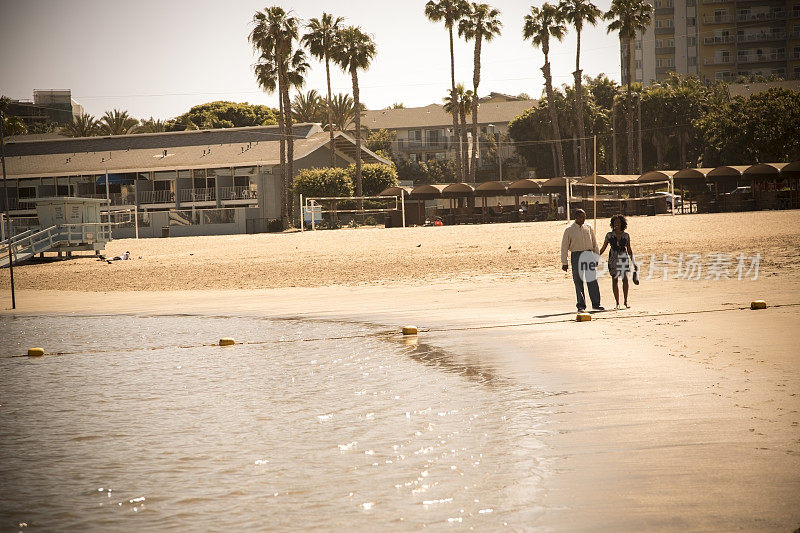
(719, 40)
(425, 133)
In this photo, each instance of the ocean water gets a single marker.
(142, 423)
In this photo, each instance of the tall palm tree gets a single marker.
(296, 70)
(272, 36)
(266, 72)
(540, 25)
(459, 104)
(354, 50)
(576, 12)
(319, 40)
(627, 17)
(451, 11)
(117, 122)
(480, 23)
(309, 107)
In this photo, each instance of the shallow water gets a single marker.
(141, 424)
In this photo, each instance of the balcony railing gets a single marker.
(758, 58)
(751, 17)
(722, 39)
(156, 197)
(718, 19)
(242, 192)
(718, 60)
(204, 194)
(665, 50)
(405, 145)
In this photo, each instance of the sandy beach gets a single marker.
(681, 413)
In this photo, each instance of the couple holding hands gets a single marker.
(580, 244)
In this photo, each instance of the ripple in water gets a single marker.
(141, 426)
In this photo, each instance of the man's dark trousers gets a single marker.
(594, 288)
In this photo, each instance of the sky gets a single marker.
(158, 58)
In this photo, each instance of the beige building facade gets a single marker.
(719, 40)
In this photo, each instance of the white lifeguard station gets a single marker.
(66, 225)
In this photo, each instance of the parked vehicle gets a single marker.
(739, 190)
(673, 200)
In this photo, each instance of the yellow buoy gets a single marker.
(35, 352)
(758, 304)
(227, 341)
(583, 317)
(409, 330)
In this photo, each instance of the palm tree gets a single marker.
(354, 50)
(342, 112)
(295, 77)
(459, 104)
(81, 126)
(117, 122)
(451, 11)
(576, 12)
(480, 23)
(540, 25)
(627, 17)
(272, 36)
(151, 125)
(308, 107)
(319, 40)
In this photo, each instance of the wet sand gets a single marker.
(679, 413)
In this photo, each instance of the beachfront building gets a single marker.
(425, 133)
(719, 40)
(48, 105)
(191, 182)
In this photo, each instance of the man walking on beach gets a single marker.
(579, 239)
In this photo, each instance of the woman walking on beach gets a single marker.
(620, 257)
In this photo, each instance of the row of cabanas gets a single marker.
(689, 178)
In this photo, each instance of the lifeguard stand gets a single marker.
(67, 225)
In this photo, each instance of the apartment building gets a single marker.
(719, 40)
(425, 133)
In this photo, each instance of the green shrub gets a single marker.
(323, 182)
(375, 177)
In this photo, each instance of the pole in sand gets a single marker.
(595, 184)
(6, 201)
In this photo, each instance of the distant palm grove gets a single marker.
(683, 121)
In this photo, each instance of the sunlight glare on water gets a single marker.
(143, 424)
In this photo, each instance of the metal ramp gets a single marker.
(59, 238)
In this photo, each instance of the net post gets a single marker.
(313, 226)
(136, 219)
(302, 214)
(403, 207)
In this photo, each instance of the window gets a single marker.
(691, 41)
(659, 43)
(670, 43)
(667, 23)
(637, 45)
(414, 135)
(722, 74)
(658, 23)
(657, 4)
(796, 52)
(691, 21)
(670, 62)
(691, 3)
(638, 63)
(692, 61)
(659, 63)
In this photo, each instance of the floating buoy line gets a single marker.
(411, 332)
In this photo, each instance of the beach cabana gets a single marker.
(490, 189)
(772, 185)
(396, 191)
(420, 194)
(525, 186)
(635, 204)
(461, 197)
(728, 178)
